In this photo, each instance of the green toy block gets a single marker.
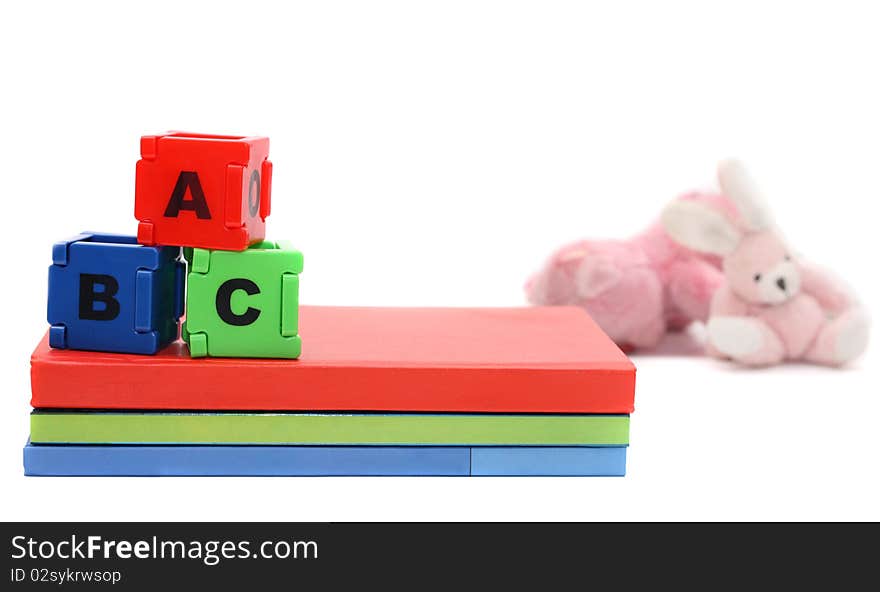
(243, 304)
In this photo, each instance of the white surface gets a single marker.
(434, 155)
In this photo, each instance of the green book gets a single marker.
(64, 427)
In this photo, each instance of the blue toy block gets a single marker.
(240, 461)
(108, 293)
(568, 461)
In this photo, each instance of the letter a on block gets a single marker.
(203, 191)
(198, 203)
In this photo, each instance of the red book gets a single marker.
(535, 360)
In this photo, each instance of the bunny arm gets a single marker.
(692, 286)
(734, 333)
(724, 303)
(831, 295)
(748, 340)
(636, 309)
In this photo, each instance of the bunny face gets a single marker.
(761, 270)
(757, 263)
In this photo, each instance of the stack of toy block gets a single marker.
(209, 195)
(377, 391)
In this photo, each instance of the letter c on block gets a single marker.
(224, 302)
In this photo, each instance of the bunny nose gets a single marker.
(781, 283)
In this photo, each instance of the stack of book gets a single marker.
(378, 391)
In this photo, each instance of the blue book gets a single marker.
(245, 460)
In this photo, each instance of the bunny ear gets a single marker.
(741, 189)
(700, 227)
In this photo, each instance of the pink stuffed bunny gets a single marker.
(772, 306)
(635, 289)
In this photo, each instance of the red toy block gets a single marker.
(531, 360)
(198, 190)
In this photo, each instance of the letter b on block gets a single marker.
(108, 293)
(244, 304)
(94, 304)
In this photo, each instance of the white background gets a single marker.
(434, 154)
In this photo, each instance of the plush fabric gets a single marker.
(772, 306)
(636, 289)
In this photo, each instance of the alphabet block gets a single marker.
(205, 191)
(108, 293)
(244, 304)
